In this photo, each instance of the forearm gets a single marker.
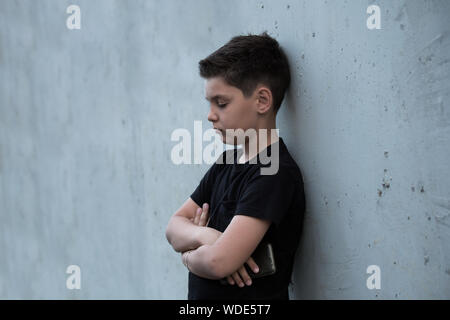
(185, 235)
(202, 262)
(182, 234)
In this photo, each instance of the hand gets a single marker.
(201, 216)
(241, 277)
(205, 235)
(209, 236)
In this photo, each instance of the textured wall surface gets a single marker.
(86, 117)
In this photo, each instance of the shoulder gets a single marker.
(289, 165)
(219, 164)
(227, 157)
(285, 168)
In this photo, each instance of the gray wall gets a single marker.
(86, 117)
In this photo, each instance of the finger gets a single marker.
(197, 216)
(237, 279)
(230, 280)
(204, 215)
(252, 264)
(245, 277)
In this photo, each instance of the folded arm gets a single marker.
(187, 231)
(230, 251)
(183, 234)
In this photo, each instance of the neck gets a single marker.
(261, 140)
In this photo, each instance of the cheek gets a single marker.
(245, 117)
(239, 116)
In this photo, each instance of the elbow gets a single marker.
(168, 234)
(173, 243)
(170, 239)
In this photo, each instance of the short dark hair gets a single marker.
(248, 60)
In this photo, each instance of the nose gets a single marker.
(212, 117)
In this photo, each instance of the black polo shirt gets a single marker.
(235, 188)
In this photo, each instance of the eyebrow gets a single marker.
(217, 96)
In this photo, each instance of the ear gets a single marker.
(263, 99)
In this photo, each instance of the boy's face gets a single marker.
(229, 108)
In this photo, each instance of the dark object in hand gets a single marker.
(264, 258)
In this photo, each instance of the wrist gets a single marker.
(209, 236)
(199, 236)
(185, 258)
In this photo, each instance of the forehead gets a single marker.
(217, 88)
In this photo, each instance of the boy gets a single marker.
(246, 80)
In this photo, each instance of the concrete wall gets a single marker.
(86, 117)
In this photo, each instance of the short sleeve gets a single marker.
(203, 191)
(267, 197)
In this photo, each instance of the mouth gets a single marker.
(219, 131)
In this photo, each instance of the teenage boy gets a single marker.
(237, 207)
